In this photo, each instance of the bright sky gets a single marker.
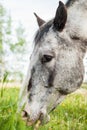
(22, 10)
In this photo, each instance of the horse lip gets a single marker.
(35, 120)
(29, 121)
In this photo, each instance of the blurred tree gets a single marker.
(2, 32)
(19, 45)
(12, 45)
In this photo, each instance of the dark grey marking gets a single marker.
(63, 92)
(75, 38)
(51, 78)
(70, 2)
(30, 97)
(29, 85)
(30, 81)
(80, 40)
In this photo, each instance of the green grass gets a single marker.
(84, 85)
(69, 115)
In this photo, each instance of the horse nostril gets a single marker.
(24, 114)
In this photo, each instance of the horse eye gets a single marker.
(46, 58)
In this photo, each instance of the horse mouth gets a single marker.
(26, 118)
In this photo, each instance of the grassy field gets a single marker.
(69, 115)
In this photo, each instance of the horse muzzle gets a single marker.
(31, 117)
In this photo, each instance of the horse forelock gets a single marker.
(42, 30)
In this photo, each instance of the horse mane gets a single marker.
(70, 2)
(42, 30)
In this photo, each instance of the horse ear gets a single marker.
(39, 20)
(60, 17)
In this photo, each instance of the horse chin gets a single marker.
(44, 119)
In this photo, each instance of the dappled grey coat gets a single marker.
(56, 65)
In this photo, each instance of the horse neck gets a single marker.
(77, 19)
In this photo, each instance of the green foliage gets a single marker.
(84, 85)
(5, 27)
(3, 81)
(9, 119)
(69, 115)
(19, 45)
(2, 14)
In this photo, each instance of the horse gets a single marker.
(56, 64)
